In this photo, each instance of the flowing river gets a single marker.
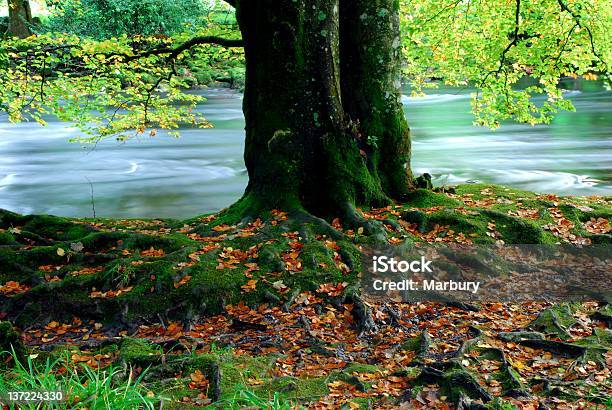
(203, 170)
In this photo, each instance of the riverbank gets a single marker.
(271, 306)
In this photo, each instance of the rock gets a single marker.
(424, 181)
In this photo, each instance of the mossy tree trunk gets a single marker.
(370, 47)
(20, 18)
(325, 129)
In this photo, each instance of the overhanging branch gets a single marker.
(513, 43)
(195, 41)
(515, 35)
(171, 52)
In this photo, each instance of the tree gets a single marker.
(20, 19)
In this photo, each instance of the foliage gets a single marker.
(103, 85)
(90, 388)
(510, 50)
(103, 19)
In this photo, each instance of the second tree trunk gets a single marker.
(20, 18)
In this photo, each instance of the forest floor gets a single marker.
(266, 313)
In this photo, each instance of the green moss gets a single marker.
(475, 225)
(509, 379)
(554, 321)
(498, 191)
(252, 206)
(133, 350)
(301, 389)
(418, 344)
(6, 238)
(456, 221)
(356, 367)
(596, 345)
(236, 370)
(518, 231)
(315, 253)
(62, 229)
(423, 198)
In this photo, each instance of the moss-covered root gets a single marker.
(555, 323)
(420, 345)
(10, 342)
(162, 369)
(590, 349)
(455, 381)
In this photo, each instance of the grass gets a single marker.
(81, 385)
(111, 387)
(246, 397)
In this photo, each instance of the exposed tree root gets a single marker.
(317, 224)
(420, 345)
(362, 314)
(555, 321)
(352, 218)
(454, 380)
(565, 390)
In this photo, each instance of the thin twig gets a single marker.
(93, 202)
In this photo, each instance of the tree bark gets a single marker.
(20, 18)
(309, 109)
(370, 47)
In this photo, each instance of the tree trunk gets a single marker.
(20, 18)
(370, 47)
(310, 109)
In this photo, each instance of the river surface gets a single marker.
(203, 170)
